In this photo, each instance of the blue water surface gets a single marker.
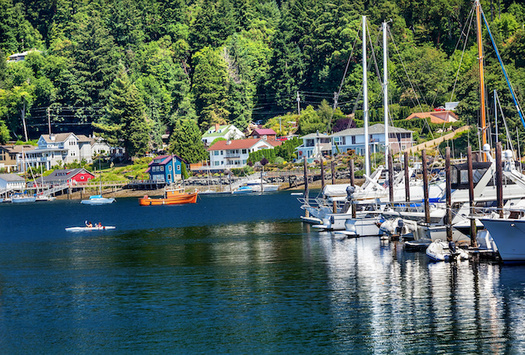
(237, 274)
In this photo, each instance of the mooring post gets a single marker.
(334, 203)
(448, 191)
(352, 183)
(407, 179)
(322, 173)
(499, 179)
(473, 241)
(425, 185)
(306, 212)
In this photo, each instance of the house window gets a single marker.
(178, 167)
(169, 167)
(169, 177)
(244, 151)
(161, 168)
(353, 139)
(216, 152)
(216, 163)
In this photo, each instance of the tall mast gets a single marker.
(481, 79)
(385, 90)
(365, 102)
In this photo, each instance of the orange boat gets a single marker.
(171, 197)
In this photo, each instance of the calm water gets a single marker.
(237, 274)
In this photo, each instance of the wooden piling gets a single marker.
(333, 171)
(473, 241)
(322, 173)
(425, 185)
(407, 179)
(448, 191)
(499, 180)
(352, 183)
(390, 177)
(306, 212)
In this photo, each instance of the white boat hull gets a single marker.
(509, 236)
(89, 229)
(98, 201)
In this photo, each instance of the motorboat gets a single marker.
(256, 185)
(172, 196)
(508, 234)
(23, 198)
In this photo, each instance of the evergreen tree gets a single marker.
(125, 121)
(185, 141)
(210, 85)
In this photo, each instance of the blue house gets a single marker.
(166, 168)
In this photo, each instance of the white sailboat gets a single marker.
(98, 199)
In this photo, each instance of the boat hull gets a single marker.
(89, 229)
(177, 199)
(98, 201)
(509, 236)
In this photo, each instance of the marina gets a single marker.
(216, 276)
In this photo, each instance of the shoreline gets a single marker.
(123, 193)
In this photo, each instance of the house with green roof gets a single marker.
(228, 132)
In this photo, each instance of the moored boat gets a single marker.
(98, 200)
(171, 197)
(89, 229)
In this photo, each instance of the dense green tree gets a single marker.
(214, 23)
(210, 85)
(125, 123)
(185, 141)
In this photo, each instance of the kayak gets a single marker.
(82, 229)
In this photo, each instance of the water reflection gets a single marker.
(386, 300)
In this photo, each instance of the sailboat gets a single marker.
(23, 197)
(98, 199)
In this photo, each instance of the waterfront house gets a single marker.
(166, 168)
(399, 139)
(12, 182)
(227, 132)
(234, 153)
(17, 57)
(69, 176)
(264, 133)
(63, 148)
(10, 155)
(313, 145)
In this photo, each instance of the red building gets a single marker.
(73, 176)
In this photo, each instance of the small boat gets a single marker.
(97, 200)
(440, 251)
(244, 190)
(22, 198)
(171, 197)
(89, 229)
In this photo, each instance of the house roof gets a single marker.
(264, 131)
(314, 135)
(216, 133)
(83, 138)
(18, 148)
(163, 160)
(12, 178)
(375, 129)
(65, 174)
(435, 116)
(241, 144)
(59, 137)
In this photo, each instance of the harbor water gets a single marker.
(237, 274)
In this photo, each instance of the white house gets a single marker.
(234, 153)
(354, 138)
(12, 182)
(228, 132)
(313, 145)
(61, 148)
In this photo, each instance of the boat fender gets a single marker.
(145, 196)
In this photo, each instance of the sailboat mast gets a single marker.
(365, 102)
(385, 90)
(481, 79)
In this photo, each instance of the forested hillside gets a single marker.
(133, 70)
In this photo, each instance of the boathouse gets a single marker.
(70, 176)
(166, 168)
